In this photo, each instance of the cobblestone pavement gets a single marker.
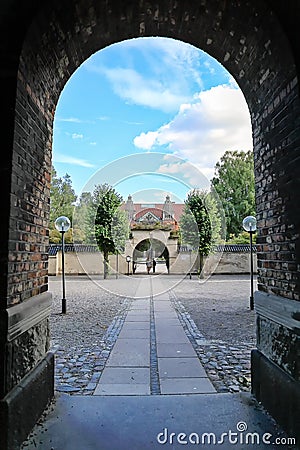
(83, 338)
(215, 315)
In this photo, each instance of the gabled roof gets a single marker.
(157, 209)
(155, 212)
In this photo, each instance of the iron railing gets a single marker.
(90, 248)
(55, 248)
(228, 248)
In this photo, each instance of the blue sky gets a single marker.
(145, 96)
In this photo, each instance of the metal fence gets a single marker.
(55, 248)
(227, 248)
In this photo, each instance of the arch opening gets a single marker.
(151, 251)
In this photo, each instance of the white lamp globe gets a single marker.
(62, 224)
(249, 224)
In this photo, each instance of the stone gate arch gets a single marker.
(163, 246)
(257, 42)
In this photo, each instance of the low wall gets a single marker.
(92, 263)
(82, 263)
(231, 263)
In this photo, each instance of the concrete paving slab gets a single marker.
(144, 289)
(186, 386)
(125, 375)
(165, 315)
(130, 353)
(160, 289)
(170, 350)
(137, 313)
(173, 334)
(164, 310)
(127, 333)
(166, 322)
(142, 325)
(146, 422)
(145, 308)
(145, 311)
(122, 389)
(137, 317)
(140, 303)
(163, 306)
(180, 368)
(162, 296)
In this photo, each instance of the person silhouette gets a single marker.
(154, 265)
(148, 265)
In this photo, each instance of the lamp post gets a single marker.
(128, 259)
(117, 264)
(190, 252)
(62, 224)
(249, 225)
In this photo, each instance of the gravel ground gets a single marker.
(90, 311)
(220, 307)
(219, 310)
(82, 339)
(215, 314)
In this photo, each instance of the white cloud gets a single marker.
(146, 141)
(140, 90)
(132, 123)
(217, 120)
(185, 172)
(69, 119)
(60, 158)
(77, 136)
(152, 85)
(72, 120)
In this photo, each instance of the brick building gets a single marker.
(162, 214)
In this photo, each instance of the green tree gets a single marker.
(83, 219)
(107, 202)
(62, 201)
(189, 233)
(216, 216)
(195, 225)
(120, 230)
(242, 238)
(234, 183)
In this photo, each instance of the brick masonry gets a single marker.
(246, 40)
(256, 41)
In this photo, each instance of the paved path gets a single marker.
(216, 307)
(132, 408)
(152, 354)
(149, 422)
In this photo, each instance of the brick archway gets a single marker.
(258, 46)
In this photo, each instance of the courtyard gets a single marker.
(215, 315)
(134, 370)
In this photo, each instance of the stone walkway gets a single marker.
(153, 354)
(83, 339)
(152, 390)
